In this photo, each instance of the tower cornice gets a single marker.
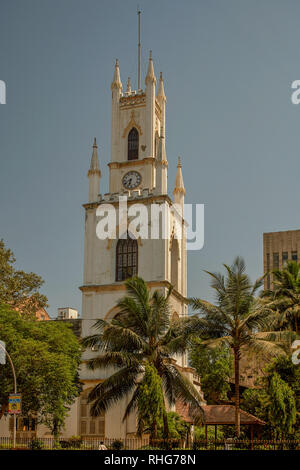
(130, 163)
(121, 287)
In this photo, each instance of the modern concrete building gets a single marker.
(67, 313)
(279, 247)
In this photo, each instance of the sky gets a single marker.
(228, 66)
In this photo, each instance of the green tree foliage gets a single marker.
(46, 356)
(282, 405)
(17, 288)
(277, 402)
(215, 367)
(178, 428)
(237, 319)
(285, 296)
(142, 333)
(150, 401)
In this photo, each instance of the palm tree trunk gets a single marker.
(166, 425)
(154, 430)
(237, 391)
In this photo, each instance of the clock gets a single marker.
(131, 180)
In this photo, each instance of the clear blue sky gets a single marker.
(228, 67)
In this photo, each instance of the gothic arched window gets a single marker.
(133, 144)
(126, 258)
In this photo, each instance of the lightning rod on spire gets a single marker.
(139, 48)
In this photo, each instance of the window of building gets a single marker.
(90, 426)
(294, 256)
(285, 257)
(275, 260)
(126, 258)
(133, 144)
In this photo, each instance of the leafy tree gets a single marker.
(46, 356)
(285, 296)
(178, 428)
(215, 369)
(19, 289)
(237, 319)
(141, 333)
(150, 401)
(277, 400)
(282, 404)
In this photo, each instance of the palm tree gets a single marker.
(141, 334)
(285, 296)
(238, 319)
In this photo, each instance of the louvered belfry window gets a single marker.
(133, 144)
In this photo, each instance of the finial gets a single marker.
(150, 73)
(129, 85)
(94, 166)
(161, 91)
(179, 185)
(116, 83)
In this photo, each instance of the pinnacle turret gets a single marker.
(116, 83)
(179, 185)
(150, 77)
(94, 167)
(161, 91)
(94, 174)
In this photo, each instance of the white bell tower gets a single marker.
(138, 169)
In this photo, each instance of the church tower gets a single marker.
(138, 169)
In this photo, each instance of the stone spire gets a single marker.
(150, 77)
(179, 186)
(94, 167)
(94, 174)
(161, 91)
(116, 83)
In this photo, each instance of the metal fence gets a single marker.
(24, 443)
(45, 443)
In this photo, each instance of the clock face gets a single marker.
(131, 180)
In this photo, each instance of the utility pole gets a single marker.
(15, 391)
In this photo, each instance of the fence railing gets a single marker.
(77, 443)
(45, 443)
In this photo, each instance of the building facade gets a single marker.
(279, 247)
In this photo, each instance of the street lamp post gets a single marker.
(15, 391)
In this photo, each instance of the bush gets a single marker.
(165, 444)
(117, 445)
(75, 442)
(36, 444)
